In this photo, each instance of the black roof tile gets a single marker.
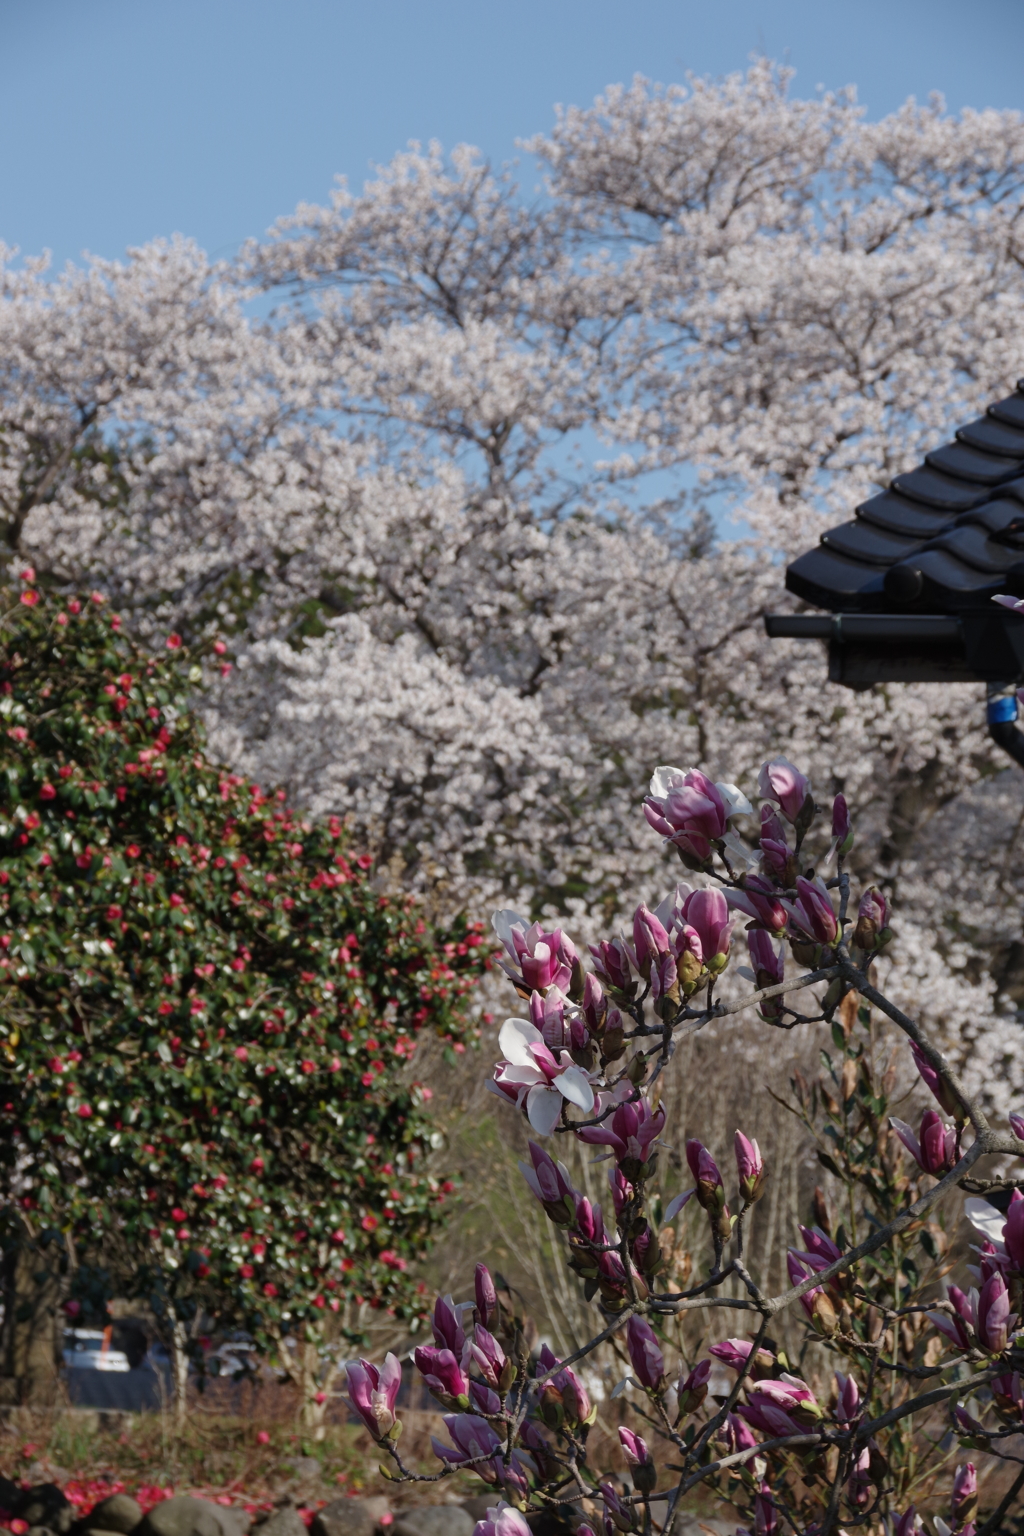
(1010, 410)
(860, 541)
(938, 490)
(944, 538)
(902, 516)
(993, 436)
(971, 464)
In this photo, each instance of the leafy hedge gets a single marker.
(208, 1012)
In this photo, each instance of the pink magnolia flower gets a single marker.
(440, 1371)
(475, 1441)
(503, 1520)
(575, 1399)
(736, 1435)
(812, 913)
(485, 1353)
(534, 1079)
(758, 899)
(690, 811)
(707, 912)
(373, 1393)
(908, 1524)
(735, 1352)
(645, 1353)
(543, 959)
(786, 785)
(629, 1132)
(799, 1271)
(935, 1152)
(960, 1326)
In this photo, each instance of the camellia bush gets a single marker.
(902, 1368)
(209, 1013)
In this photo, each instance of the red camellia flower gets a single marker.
(392, 1260)
(246, 1271)
(133, 850)
(30, 598)
(241, 1054)
(369, 1223)
(202, 1270)
(31, 821)
(62, 619)
(270, 1289)
(308, 1066)
(257, 1165)
(55, 1064)
(113, 913)
(84, 1112)
(74, 606)
(177, 1214)
(173, 642)
(28, 574)
(47, 792)
(219, 647)
(165, 1008)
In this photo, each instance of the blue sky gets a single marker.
(126, 119)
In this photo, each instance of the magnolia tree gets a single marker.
(209, 1016)
(898, 1359)
(451, 616)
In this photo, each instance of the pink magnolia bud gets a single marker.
(786, 785)
(994, 1318)
(692, 1389)
(1008, 1392)
(708, 912)
(1017, 1126)
(447, 1326)
(550, 1183)
(840, 822)
(644, 1352)
(649, 939)
(736, 1435)
(872, 919)
(766, 1519)
(595, 1005)
(965, 1492)
(1013, 1232)
(749, 1166)
(710, 1191)
(908, 1524)
(486, 1297)
(849, 1398)
(622, 1189)
(758, 900)
(690, 811)
(611, 963)
(634, 1447)
(934, 1082)
(589, 1220)
(812, 913)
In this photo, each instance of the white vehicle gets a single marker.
(90, 1349)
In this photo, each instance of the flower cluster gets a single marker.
(210, 1013)
(780, 1441)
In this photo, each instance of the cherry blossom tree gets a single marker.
(450, 504)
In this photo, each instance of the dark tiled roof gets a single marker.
(943, 539)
